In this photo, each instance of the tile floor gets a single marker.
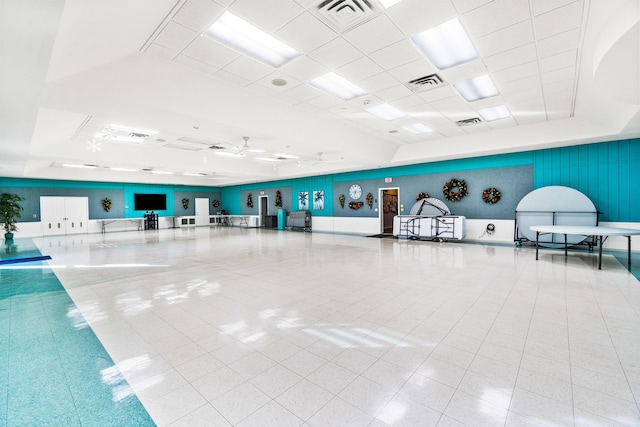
(228, 326)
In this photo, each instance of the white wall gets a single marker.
(504, 230)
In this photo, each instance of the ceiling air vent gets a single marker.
(343, 15)
(423, 84)
(469, 122)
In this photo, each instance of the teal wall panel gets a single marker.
(606, 172)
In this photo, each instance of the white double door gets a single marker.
(64, 215)
(202, 211)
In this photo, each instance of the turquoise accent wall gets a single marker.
(121, 195)
(608, 173)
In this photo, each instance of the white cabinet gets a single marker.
(64, 215)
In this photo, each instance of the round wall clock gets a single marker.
(355, 191)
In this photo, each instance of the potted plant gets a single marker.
(10, 211)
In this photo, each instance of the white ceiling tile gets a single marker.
(249, 68)
(502, 123)
(359, 69)
(413, 70)
(396, 54)
(512, 57)
(534, 92)
(304, 69)
(374, 35)
(464, 72)
(265, 85)
(409, 102)
(559, 20)
(564, 86)
(543, 6)
(559, 43)
(378, 82)
(175, 36)
(488, 102)
(232, 78)
(495, 16)
(198, 14)
(450, 104)
(394, 92)
(268, 15)
(518, 85)
(505, 39)
(449, 129)
(194, 64)
(305, 33)
(476, 128)
(211, 52)
(558, 75)
(516, 73)
(464, 6)
(558, 105)
(439, 93)
(415, 16)
(527, 111)
(336, 53)
(161, 51)
(224, 3)
(325, 101)
(303, 93)
(560, 60)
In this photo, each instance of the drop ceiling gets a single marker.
(75, 73)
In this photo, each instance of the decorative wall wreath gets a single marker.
(341, 199)
(185, 203)
(370, 200)
(278, 198)
(106, 204)
(491, 195)
(355, 205)
(249, 201)
(454, 196)
(215, 203)
(422, 196)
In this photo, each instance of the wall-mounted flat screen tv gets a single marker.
(150, 202)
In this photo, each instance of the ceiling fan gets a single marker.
(247, 149)
(321, 159)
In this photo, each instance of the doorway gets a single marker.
(263, 210)
(202, 211)
(389, 208)
(64, 215)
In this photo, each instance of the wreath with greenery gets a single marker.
(450, 194)
(106, 204)
(249, 201)
(341, 199)
(491, 195)
(370, 200)
(215, 203)
(278, 198)
(422, 196)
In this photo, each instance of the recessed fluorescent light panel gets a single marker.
(417, 128)
(124, 169)
(386, 112)
(241, 35)
(476, 88)
(495, 113)
(446, 45)
(71, 165)
(229, 154)
(337, 86)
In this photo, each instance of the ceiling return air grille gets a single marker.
(423, 84)
(343, 15)
(469, 122)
